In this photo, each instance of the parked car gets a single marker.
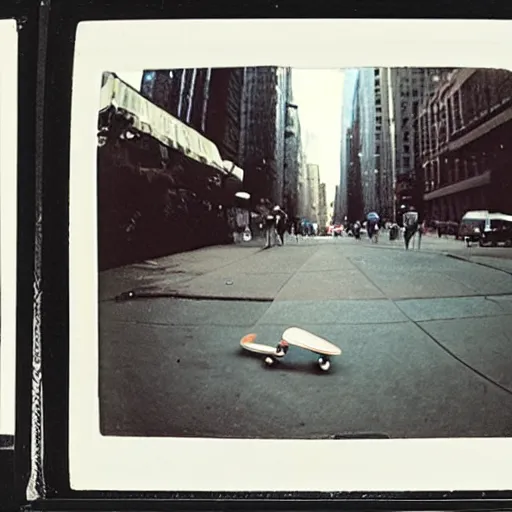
(449, 228)
(335, 230)
(472, 225)
(497, 230)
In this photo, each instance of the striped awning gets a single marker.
(149, 119)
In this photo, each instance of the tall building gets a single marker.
(224, 111)
(465, 144)
(347, 118)
(355, 199)
(292, 160)
(409, 88)
(388, 102)
(313, 191)
(243, 111)
(263, 131)
(303, 188)
(370, 111)
(323, 217)
(209, 100)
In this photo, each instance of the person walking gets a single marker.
(268, 221)
(280, 223)
(410, 222)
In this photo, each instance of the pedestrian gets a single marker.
(280, 223)
(376, 233)
(268, 218)
(295, 228)
(371, 225)
(410, 222)
(356, 230)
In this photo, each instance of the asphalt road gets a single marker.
(426, 343)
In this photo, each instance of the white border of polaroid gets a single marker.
(200, 464)
(8, 222)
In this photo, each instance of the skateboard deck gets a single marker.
(247, 342)
(297, 337)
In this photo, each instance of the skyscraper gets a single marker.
(347, 119)
(263, 131)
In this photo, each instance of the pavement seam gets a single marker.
(459, 283)
(442, 346)
(454, 318)
(283, 285)
(467, 260)
(384, 295)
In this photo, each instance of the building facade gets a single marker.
(370, 133)
(262, 151)
(409, 89)
(355, 199)
(388, 101)
(244, 111)
(347, 119)
(323, 215)
(292, 160)
(303, 188)
(313, 192)
(465, 144)
(208, 100)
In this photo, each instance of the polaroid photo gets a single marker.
(8, 226)
(290, 263)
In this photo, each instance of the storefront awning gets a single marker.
(233, 170)
(151, 120)
(461, 186)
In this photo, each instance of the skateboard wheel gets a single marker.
(281, 350)
(324, 364)
(269, 361)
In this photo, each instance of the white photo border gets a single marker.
(8, 221)
(194, 465)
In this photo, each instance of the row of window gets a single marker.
(483, 92)
(446, 171)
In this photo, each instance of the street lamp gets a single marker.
(243, 195)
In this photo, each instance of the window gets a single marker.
(407, 148)
(407, 162)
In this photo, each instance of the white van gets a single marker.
(486, 228)
(473, 224)
(497, 230)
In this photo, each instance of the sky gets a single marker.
(319, 95)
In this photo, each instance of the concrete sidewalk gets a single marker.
(502, 264)
(173, 269)
(319, 270)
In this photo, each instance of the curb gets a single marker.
(467, 260)
(131, 295)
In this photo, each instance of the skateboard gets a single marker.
(296, 337)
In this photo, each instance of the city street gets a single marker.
(425, 337)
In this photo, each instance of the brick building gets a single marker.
(465, 144)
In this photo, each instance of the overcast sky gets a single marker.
(318, 93)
